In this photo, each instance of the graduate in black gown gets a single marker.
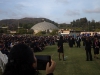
(88, 44)
(60, 47)
(96, 46)
(70, 40)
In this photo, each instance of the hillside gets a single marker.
(13, 23)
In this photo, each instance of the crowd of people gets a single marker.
(88, 42)
(19, 51)
(35, 42)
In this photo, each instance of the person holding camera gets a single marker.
(22, 61)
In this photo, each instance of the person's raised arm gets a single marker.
(50, 68)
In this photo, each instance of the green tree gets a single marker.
(30, 31)
(22, 31)
(1, 31)
(54, 32)
(41, 33)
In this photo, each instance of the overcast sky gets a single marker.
(60, 11)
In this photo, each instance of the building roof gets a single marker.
(42, 26)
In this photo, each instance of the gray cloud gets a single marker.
(8, 14)
(3, 12)
(26, 4)
(96, 10)
(72, 13)
(62, 1)
(7, 0)
(0, 10)
(13, 14)
(19, 6)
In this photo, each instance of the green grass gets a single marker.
(75, 63)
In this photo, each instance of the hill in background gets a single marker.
(24, 22)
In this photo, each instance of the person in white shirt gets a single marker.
(3, 60)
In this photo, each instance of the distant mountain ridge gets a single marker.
(13, 23)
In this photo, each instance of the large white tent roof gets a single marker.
(42, 26)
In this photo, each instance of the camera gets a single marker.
(42, 61)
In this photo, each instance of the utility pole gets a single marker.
(18, 26)
(88, 22)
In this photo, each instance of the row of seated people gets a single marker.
(36, 43)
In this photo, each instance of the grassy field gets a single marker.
(75, 63)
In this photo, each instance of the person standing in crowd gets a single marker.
(3, 57)
(88, 45)
(73, 40)
(22, 61)
(78, 40)
(96, 46)
(70, 41)
(60, 48)
(3, 48)
(83, 40)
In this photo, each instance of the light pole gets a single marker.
(88, 23)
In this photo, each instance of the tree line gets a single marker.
(25, 24)
(83, 24)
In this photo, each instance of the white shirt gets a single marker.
(3, 60)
